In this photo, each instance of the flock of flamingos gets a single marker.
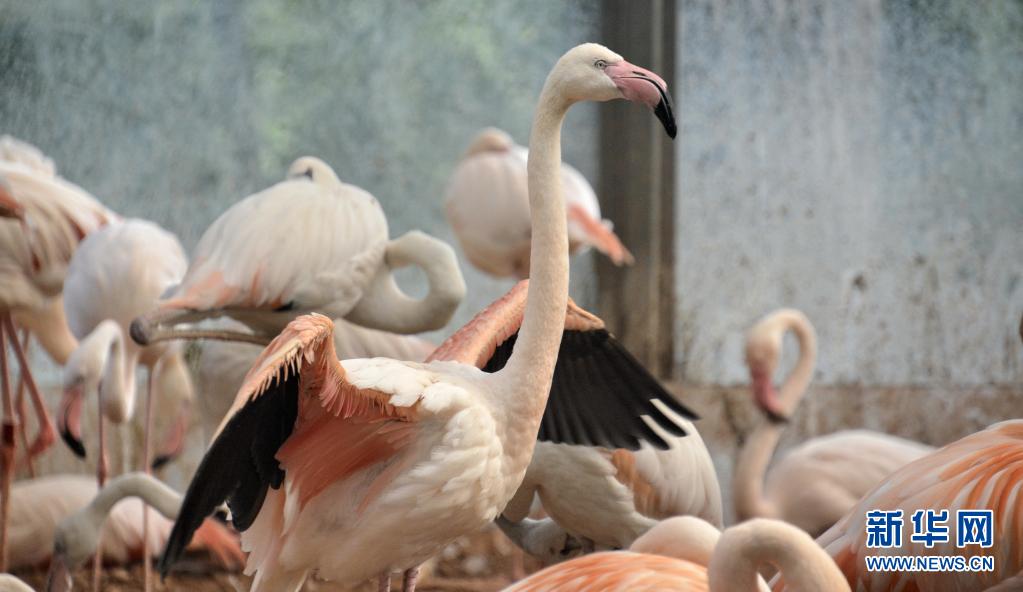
(350, 449)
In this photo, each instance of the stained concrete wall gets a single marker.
(861, 161)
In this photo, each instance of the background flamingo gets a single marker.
(686, 553)
(116, 274)
(77, 535)
(817, 482)
(34, 253)
(487, 205)
(309, 243)
(420, 453)
(979, 472)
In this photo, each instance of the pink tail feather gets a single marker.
(600, 237)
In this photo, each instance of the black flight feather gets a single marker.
(599, 394)
(238, 467)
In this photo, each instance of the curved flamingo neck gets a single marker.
(760, 446)
(795, 385)
(164, 500)
(743, 549)
(387, 308)
(117, 385)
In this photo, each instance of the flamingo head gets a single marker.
(314, 169)
(69, 418)
(763, 348)
(592, 72)
(74, 541)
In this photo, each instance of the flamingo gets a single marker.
(817, 482)
(487, 205)
(117, 273)
(76, 536)
(688, 554)
(979, 472)
(251, 266)
(362, 467)
(34, 252)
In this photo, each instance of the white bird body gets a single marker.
(234, 259)
(34, 255)
(611, 497)
(360, 468)
(816, 483)
(307, 244)
(487, 205)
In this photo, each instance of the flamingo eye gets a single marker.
(600, 64)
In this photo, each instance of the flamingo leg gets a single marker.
(19, 405)
(7, 446)
(101, 477)
(147, 567)
(408, 581)
(47, 435)
(384, 583)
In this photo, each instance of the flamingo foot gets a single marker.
(384, 583)
(408, 582)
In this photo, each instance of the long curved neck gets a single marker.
(756, 454)
(117, 386)
(743, 549)
(748, 482)
(387, 308)
(795, 385)
(163, 499)
(531, 365)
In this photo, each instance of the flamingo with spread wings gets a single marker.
(310, 243)
(363, 467)
(487, 205)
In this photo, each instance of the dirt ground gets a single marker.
(482, 563)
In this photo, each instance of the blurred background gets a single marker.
(861, 161)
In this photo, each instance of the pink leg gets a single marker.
(408, 582)
(22, 409)
(7, 447)
(46, 436)
(147, 568)
(101, 478)
(384, 583)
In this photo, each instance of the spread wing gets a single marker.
(295, 405)
(600, 395)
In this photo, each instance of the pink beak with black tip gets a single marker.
(643, 86)
(766, 396)
(69, 419)
(174, 443)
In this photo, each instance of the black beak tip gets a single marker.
(139, 332)
(73, 443)
(667, 118)
(159, 462)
